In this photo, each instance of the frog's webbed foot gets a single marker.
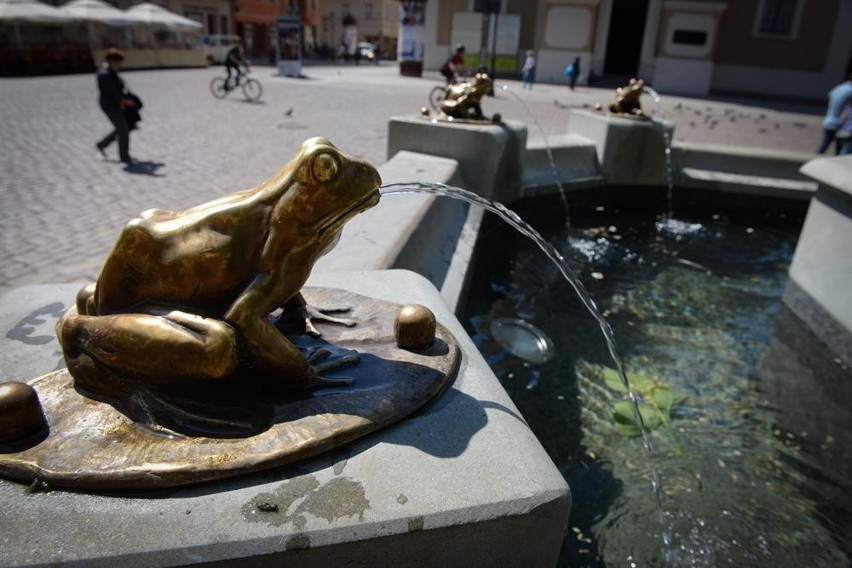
(298, 317)
(323, 360)
(313, 313)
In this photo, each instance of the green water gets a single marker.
(755, 464)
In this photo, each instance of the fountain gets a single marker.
(712, 180)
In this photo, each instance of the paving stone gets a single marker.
(59, 201)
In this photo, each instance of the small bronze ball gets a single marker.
(414, 327)
(497, 118)
(20, 411)
(424, 111)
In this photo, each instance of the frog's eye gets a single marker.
(325, 167)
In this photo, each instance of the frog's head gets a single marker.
(327, 188)
(481, 84)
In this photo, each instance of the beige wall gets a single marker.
(445, 17)
(589, 8)
(526, 8)
(737, 45)
(663, 30)
(384, 22)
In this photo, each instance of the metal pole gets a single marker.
(483, 41)
(494, 53)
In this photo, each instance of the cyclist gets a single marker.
(448, 69)
(233, 60)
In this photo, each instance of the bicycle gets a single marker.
(252, 89)
(439, 92)
(436, 95)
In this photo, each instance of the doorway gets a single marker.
(626, 31)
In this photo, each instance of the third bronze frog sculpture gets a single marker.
(627, 102)
(195, 355)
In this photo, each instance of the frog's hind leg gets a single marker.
(86, 299)
(147, 348)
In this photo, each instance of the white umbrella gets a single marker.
(147, 13)
(98, 11)
(17, 12)
(33, 12)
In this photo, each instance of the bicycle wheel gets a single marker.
(217, 87)
(252, 90)
(437, 95)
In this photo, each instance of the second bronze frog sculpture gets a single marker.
(463, 100)
(187, 295)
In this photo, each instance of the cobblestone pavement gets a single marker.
(61, 206)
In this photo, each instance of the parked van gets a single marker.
(217, 46)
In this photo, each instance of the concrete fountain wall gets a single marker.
(818, 290)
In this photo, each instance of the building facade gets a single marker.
(786, 48)
(375, 21)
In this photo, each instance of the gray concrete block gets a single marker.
(565, 158)
(462, 483)
(630, 151)
(745, 184)
(821, 264)
(737, 160)
(489, 154)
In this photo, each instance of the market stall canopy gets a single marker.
(147, 13)
(32, 12)
(98, 11)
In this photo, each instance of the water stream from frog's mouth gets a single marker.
(514, 220)
(552, 254)
(667, 139)
(553, 171)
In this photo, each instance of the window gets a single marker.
(689, 37)
(779, 18)
(368, 11)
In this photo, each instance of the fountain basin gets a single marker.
(701, 173)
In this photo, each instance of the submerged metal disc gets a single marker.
(523, 340)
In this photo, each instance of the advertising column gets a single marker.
(288, 47)
(411, 34)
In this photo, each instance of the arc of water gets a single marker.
(556, 257)
(553, 255)
(549, 151)
(667, 138)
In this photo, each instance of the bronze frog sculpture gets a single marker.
(187, 295)
(627, 99)
(463, 99)
(192, 358)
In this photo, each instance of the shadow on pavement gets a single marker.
(142, 167)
